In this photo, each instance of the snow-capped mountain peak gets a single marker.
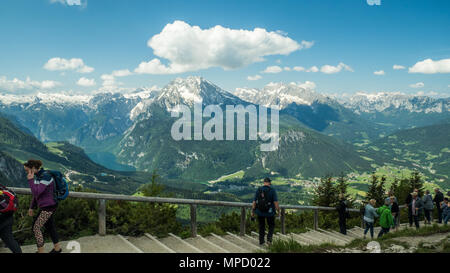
(281, 94)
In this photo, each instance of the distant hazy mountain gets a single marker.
(396, 111)
(16, 145)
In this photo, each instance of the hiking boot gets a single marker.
(54, 251)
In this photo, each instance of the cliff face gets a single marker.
(12, 173)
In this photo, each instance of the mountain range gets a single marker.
(319, 134)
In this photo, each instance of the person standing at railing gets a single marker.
(395, 210)
(265, 204)
(42, 190)
(407, 202)
(415, 208)
(343, 213)
(438, 198)
(428, 206)
(369, 217)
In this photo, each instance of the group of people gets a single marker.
(389, 212)
(42, 189)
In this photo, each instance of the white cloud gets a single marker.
(121, 73)
(398, 67)
(313, 69)
(19, 85)
(86, 82)
(70, 2)
(329, 69)
(417, 85)
(273, 69)
(61, 64)
(429, 66)
(299, 68)
(190, 48)
(379, 72)
(286, 68)
(254, 78)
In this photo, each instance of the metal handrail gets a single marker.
(102, 197)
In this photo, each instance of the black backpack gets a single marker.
(262, 200)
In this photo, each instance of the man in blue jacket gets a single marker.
(264, 205)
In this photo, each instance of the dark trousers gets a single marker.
(383, 231)
(369, 226)
(262, 228)
(439, 213)
(428, 215)
(415, 219)
(49, 227)
(6, 223)
(343, 224)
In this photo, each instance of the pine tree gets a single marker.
(376, 190)
(326, 194)
(416, 182)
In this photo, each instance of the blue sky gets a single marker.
(40, 40)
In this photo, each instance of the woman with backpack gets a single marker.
(369, 217)
(8, 205)
(42, 188)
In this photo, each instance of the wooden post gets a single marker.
(193, 220)
(316, 219)
(102, 217)
(242, 221)
(282, 219)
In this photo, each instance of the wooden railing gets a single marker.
(193, 203)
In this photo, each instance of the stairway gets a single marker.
(213, 243)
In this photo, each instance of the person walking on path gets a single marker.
(265, 205)
(342, 210)
(407, 202)
(42, 190)
(386, 219)
(395, 210)
(428, 206)
(438, 198)
(369, 217)
(415, 208)
(7, 219)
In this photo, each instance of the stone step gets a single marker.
(205, 245)
(337, 235)
(150, 244)
(327, 238)
(230, 246)
(242, 242)
(307, 239)
(88, 244)
(175, 244)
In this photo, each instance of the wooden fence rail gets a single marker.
(194, 203)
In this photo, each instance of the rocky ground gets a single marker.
(434, 243)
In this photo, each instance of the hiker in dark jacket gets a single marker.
(265, 209)
(6, 224)
(395, 210)
(342, 210)
(407, 202)
(415, 208)
(438, 199)
(42, 190)
(427, 206)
